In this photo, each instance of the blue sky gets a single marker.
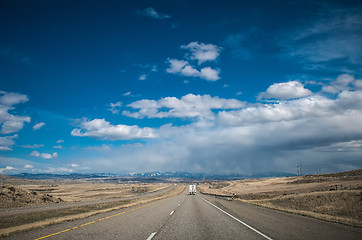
(202, 86)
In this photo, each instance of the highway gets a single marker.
(194, 217)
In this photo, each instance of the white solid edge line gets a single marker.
(250, 227)
(151, 236)
(172, 212)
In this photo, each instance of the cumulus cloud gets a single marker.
(151, 12)
(100, 128)
(189, 106)
(142, 77)
(11, 123)
(343, 82)
(115, 107)
(38, 126)
(7, 168)
(287, 90)
(184, 68)
(44, 155)
(7, 142)
(202, 52)
(311, 107)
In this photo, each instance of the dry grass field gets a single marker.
(94, 191)
(333, 197)
(15, 192)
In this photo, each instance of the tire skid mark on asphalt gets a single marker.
(246, 225)
(101, 219)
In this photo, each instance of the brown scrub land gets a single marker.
(333, 197)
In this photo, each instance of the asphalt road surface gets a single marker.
(194, 217)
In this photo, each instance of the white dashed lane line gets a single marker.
(151, 236)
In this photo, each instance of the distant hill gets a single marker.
(51, 176)
(150, 176)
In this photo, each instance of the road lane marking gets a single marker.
(172, 212)
(101, 219)
(246, 225)
(151, 236)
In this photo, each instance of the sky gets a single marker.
(214, 87)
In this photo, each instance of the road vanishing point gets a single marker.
(193, 217)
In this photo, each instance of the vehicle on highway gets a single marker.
(192, 189)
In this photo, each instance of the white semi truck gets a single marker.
(192, 189)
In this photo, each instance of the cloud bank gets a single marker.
(315, 129)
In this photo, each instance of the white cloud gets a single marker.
(60, 141)
(10, 99)
(127, 94)
(44, 155)
(7, 168)
(33, 146)
(58, 146)
(142, 77)
(38, 126)
(310, 107)
(202, 52)
(151, 12)
(189, 105)
(7, 142)
(343, 82)
(104, 147)
(28, 166)
(100, 128)
(176, 66)
(286, 90)
(209, 74)
(114, 107)
(11, 123)
(183, 68)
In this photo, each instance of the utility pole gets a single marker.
(299, 170)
